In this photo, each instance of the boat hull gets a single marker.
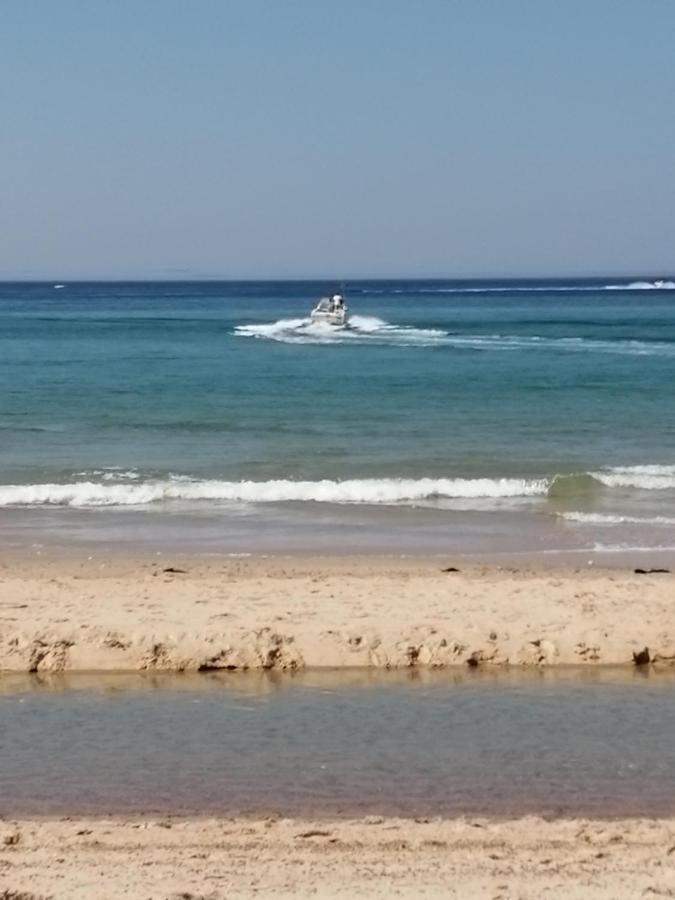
(336, 319)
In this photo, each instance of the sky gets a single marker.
(361, 138)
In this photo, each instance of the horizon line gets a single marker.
(140, 279)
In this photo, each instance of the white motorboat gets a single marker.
(330, 311)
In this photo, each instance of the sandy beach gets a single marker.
(115, 614)
(168, 859)
(109, 614)
(337, 457)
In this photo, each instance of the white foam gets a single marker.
(660, 285)
(106, 487)
(359, 329)
(504, 342)
(273, 330)
(629, 548)
(531, 289)
(370, 329)
(646, 477)
(353, 491)
(367, 323)
(604, 519)
(112, 473)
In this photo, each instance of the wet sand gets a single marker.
(109, 613)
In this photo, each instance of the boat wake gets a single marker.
(359, 329)
(658, 285)
(369, 330)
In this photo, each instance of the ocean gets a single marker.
(519, 417)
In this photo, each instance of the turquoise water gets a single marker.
(478, 406)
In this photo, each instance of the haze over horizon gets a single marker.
(152, 140)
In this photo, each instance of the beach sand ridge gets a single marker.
(115, 614)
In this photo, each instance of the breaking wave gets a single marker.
(646, 478)
(581, 484)
(357, 490)
(128, 488)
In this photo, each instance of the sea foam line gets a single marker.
(648, 478)
(366, 490)
(608, 519)
(129, 488)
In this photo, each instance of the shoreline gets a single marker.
(375, 857)
(562, 559)
(516, 538)
(182, 613)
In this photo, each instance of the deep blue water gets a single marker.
(175, 394)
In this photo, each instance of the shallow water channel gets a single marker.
(564, 742)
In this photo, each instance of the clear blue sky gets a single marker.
(262, 138)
